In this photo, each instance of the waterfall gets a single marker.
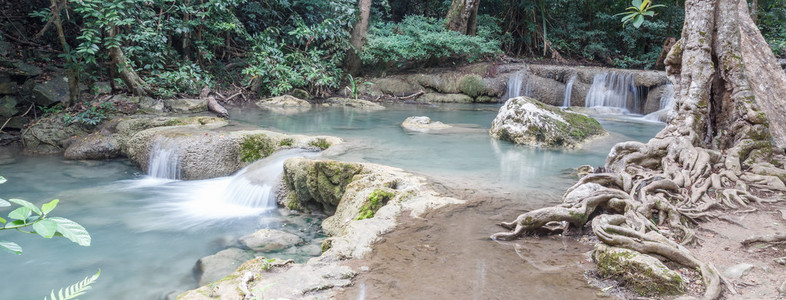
(568, 90)
(612, 89)
(665, 107)
(164, 161)
(254, 186)
(514, 84)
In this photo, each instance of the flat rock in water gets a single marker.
(736, 271)
(214, 267)
(268, 240)
(359, 104)
(423, 124)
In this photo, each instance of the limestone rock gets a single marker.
(20, 68)
(322, 182)
(285, 105)
(353, 103)
(527, 121)
(269, 240)
(51, 92)
(214, 267)
(17, 122)
(186, 105)
(644, 274)
(48, 135)
(736, 271)
(8, 106)
(423, 124)
(93, 146)
(445, 98)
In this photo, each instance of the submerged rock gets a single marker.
(353, 103)
(528, 121)
(644, 274)
(269, 240)
(423, 124)
(214, 267)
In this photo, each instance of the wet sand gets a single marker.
(447, 255)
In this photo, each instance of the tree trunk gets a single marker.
(714, 156)
(71, 73)
(137, 86)
(667, 44)
(463, 16)
(358, 38)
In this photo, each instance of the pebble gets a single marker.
(736, 271)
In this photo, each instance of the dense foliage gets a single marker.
(272, 47)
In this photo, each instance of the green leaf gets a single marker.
(10, 247)
(76, 289)
(2, 221)
(48, 207)
(20, 213)
(4, 203)
(72, 231)
(45, 228)
(2, 180)
(638, 21)
(636, 3)
(15, 224)
(29, 205)
(648, 13)
(644, 5)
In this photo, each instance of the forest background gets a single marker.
(175, 48)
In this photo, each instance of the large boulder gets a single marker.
(528, 121)
(423, 124)
(7, 87)
(269, 240)
(644, 274)
(96, 145)
(51, 92)
(49, 134)
(214, 267)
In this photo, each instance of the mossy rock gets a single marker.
(320, 181)
(528, 121)
(375, 201)
(472, 85)
(255, 147)
(644, 274)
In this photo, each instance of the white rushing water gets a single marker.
(164, 161)
(666, 106)
(612, 89)
(515, 82)
(568, 90)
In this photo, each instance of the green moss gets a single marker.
(326, 245)
(175, 122)
(618, 264)
(320, 143)
(285, 142)
(254, 147)
(472, 85)
(376, 200)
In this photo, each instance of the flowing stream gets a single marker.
(148, 231)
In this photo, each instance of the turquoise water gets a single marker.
(148, 233)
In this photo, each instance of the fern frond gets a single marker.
(76, 289)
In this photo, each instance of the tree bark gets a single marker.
(132, 80)
(714, 155)
(463, 16)
(73, 79)
(667, 44)
(358, 38)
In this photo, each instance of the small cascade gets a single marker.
(612, 89)
(666, 106)
(514, 84)
(164, 161)
(568, 91)
(254, 185)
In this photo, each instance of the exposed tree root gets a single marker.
(714, 157)
(773, 238)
